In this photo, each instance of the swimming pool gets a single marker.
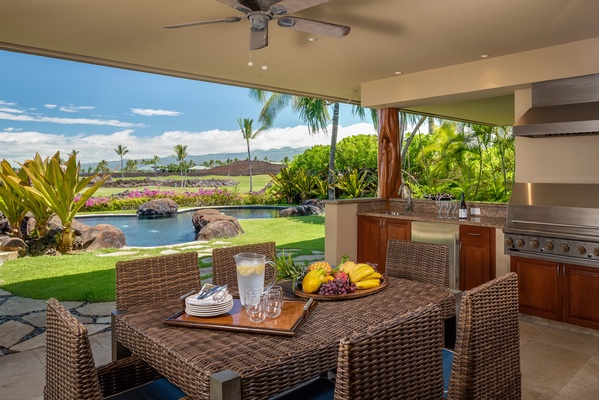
(150, 232)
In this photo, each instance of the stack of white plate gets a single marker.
(210, 310)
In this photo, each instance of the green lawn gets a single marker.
(258, 183)
(89, 277)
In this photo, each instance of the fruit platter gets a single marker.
(349, 280)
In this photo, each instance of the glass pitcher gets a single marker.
(250, 272)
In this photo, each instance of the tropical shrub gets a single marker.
(357, 152)
(131, 200)
(47, 187)
(315, 160)
(10, 197)
(356, 183)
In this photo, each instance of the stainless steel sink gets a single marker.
(397, 212)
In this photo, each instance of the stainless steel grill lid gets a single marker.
(554, 221)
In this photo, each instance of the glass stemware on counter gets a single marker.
(447, 208)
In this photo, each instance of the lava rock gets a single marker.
(308, 207)
(12, 243)
(210, 224)
(158, 208)
(102, 236)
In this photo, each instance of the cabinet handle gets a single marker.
(558, 269)
(473, 234)
(564, 270)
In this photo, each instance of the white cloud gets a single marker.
(73, 109)
(6, 103)
(20, 146)
(50, 106)
(148, 112)
(69, 121)
(10, 110)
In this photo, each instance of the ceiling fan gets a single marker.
(260, 12)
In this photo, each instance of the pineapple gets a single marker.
(288, 269)
(321, 264)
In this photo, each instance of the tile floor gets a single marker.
(557, 363)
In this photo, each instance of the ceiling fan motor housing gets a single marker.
(259, 20)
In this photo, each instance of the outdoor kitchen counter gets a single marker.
(485, 221)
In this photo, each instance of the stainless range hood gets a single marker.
(563, 107)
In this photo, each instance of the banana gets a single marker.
(360, 272)
(367, 283)
(374, 275)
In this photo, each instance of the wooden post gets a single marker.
(389, 155)
(225, 385)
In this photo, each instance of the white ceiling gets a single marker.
(386, 36)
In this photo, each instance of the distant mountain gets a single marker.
(271, 154)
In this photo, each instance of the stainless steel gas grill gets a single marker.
(555, 222)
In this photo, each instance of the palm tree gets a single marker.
(248, 133)
(180, 154)
(154, 163)
(313, 112)
(121, 151)
(131, 165)
(102, 167)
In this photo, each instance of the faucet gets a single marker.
(409, 189)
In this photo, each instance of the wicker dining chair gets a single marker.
(416, 261)
(486, 360)
(71, 373)
(146, 280)
(400, 358)
(224, 268)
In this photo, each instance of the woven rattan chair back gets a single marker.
(400, 358)
(416, 261)
(224, 269)
(70, 368)
(153, 279)
(486, 362)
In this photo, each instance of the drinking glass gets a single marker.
(255, 305)
(274, 301)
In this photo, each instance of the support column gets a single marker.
(389, 156)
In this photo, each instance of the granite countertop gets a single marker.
(474, 220)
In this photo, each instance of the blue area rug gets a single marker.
(447, 362)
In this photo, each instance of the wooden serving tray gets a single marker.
(354, 295)
(293, 314)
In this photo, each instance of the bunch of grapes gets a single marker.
(337, 286)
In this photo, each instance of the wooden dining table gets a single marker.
(217, 364)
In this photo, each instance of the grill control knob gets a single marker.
(580, 249)
(549, 246)
(565, 247)
(520, 243)
(509, 242)
(534, 244)
(596, 251)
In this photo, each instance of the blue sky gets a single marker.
(49, 105)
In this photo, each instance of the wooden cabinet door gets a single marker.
(539, 287)
(370, 232)
(394, 229)
(477, 256)
(581, 295)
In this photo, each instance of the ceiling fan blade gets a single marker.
(316, 27)
(214, 21)
(236, 5)
(258, 38)
(286, 7)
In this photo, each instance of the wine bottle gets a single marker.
(463, 212)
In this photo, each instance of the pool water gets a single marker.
(150, 232)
